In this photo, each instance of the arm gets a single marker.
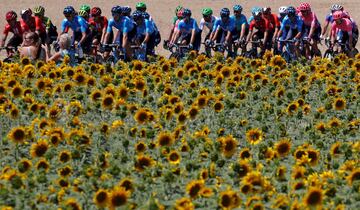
(326, 25)
(243, 28)
(3, 40)
(192, 39)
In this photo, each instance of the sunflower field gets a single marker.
(203, 133)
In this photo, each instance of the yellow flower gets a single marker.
(141, 116)
(165, 139)
(101, 198)
(313, 197)
(39, 149)
(283, 147)
(143, 162)
(118, 197)
(174, 157)
(229, 199)
(184, 204)
(194, 187)
(254, 136)
(228, 145)
(353, 176)
(17, 135)
(339, 104)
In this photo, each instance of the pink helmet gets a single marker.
(305, 7)
(338, 15)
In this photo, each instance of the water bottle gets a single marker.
(80, 52)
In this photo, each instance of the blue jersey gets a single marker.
(251, 18)
(78, 24)
(287, 23)
(185, 27)
(124, 25)
(239, 21)
(147, 27)
(225, 26)
(329, 18)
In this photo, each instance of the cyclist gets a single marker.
(282, 13)
(13, 26)
(207, 21)
(31, 23)
(291, 28)
(264, 29)
(176, 18)
(311, 28)
(274, 21)
(80, 28)
(51, 30)
(343, 28)
(188, 31)
(126, 30)
(126, 11)
(145, 33)
(85, 8)
(141, 6)
(241, 25)
(157, 32)
(222, 30)
(98, 25)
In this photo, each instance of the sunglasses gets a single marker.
(67, 16)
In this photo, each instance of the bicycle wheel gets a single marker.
(287, 57)
(329, 54)
(353, 53)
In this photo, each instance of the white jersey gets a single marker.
(208, 25)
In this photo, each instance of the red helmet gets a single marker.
(11, 15)
(338, 15)
(95, 11)
(305, 7)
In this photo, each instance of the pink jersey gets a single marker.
(176, 24)
(310, 19)
(346, 26)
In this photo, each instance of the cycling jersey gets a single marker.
(239, 21)
(175, 18)
(185, 27)
(34, 24)
(296, 24)
(17, 30)
(310, 19)
(229, 25)
(98, 26)
(273, 19)
(124, 25)
(146, 27)
(78, 24)
(261, 25)
(281, 18)
(208, 25)
(346, 25)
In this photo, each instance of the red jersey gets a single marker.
(261, 25)
(273, 19)
(100, 25)
(17, 30)
(35, 24)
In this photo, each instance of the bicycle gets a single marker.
(330, 53)
(289, 54)
(254, 53)
(305, 44)
(178, 51)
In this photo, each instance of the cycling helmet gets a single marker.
(85, 7)
(177, 9)
(146, 15)
(267, 10)
(95, 11)
(26, 12)
(141, 6)
(126, 10)
(282, 10)
(137, 15)
(336, 7)
(291, 11)
(304, 7)
(180, 13)
(338, 15)
(83, 13)
(207, 12)
(238, 8)
(256, 11)
(11, 15)
(69, 10)
(39, 10)
(116, 10)
(224, 12)
(187, 13)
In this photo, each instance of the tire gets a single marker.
(353, 53)
(286, 56)
(316, 53)
(329, 54)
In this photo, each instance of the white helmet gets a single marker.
(282, 10)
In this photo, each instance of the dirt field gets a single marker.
(163, 10)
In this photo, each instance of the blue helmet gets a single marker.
(116, 10)
(256, 11)
(291, 11)
(126, 10)
(224, 12)
(238, 8)
(69, 10)
(146, 15)
(137, 15)
(187, 12)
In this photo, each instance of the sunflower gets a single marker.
(254, 136)
(127, 184)
(335, 150)
(218, 106)
(80, 78)
(17, 91)
(184, 204)
(95, 95)
(242, 168)
(321, 126)
(174, 157)
(334, 123)
(202, 101)
(339, 104)
(64, 156)
(64, 183)
(182, 117)
(283, 147)
(314, 156)
(292, 107)
(194, 187)
(313, 197)
(118, 197)
(193, 112)
(42, 164)
(54, 113)
(72, 204)
(229, 199)
(139, 84)
(353, 176)
(165, 139)
(298, 172)
(17, 135)
(107, 102)
(24, 165)
(101, 198)
(140, 147)
(123, 92)
(25, 61)
(245, 154)
(143, 162)
(245, 188)
(141, 116)
(228, 146)
(65, 171)
(14, 112)
(74, 108)
(39, 149)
